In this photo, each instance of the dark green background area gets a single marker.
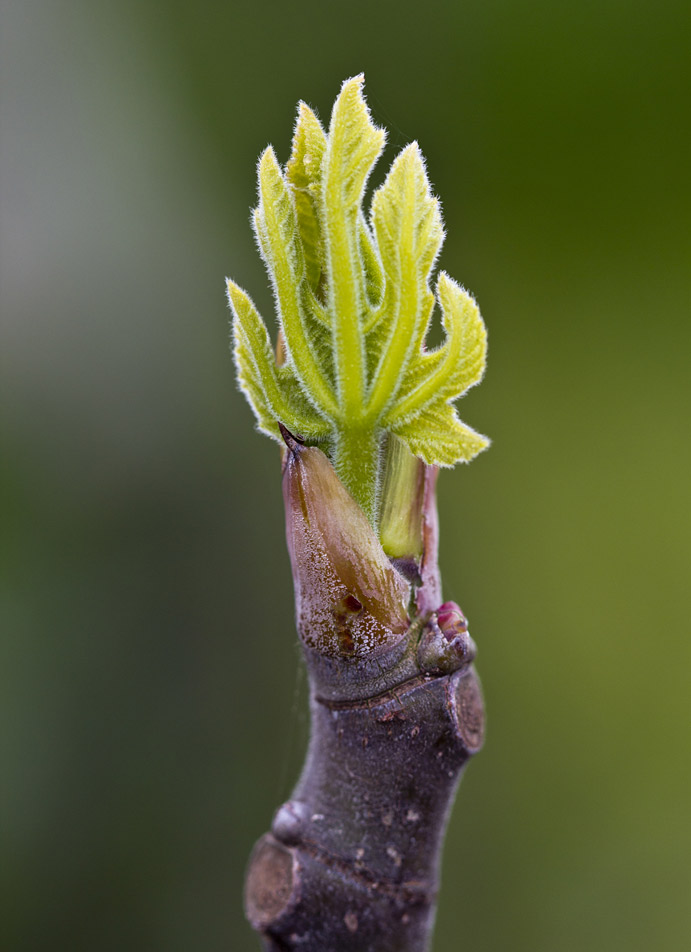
(152, 709)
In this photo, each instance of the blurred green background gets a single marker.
(152, 705)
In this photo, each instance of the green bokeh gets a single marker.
(152, 706)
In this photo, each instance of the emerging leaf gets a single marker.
(354, 307)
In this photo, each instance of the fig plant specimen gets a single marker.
(364, 412)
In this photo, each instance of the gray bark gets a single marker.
(352, 860)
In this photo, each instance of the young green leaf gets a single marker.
(272, 392)
(303, 173)
(354, 306)
(409, 231)
(353, 147)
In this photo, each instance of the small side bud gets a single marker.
(445, 644)
(289, 822)
(451, 620)
(350, 602)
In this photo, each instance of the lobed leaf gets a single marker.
(408, 227)
(304, 173)
(354, 144)
(403, 208)
(353, 147)
(354, 305)
(439, 438)
(273, 393)
(459, 364)
(275, 223)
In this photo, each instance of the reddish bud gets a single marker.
(451, 620)
(445, 644)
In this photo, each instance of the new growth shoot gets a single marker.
(365, 412)
(354, 305)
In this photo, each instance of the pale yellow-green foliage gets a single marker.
(354, 304)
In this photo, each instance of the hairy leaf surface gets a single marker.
(354, 304)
